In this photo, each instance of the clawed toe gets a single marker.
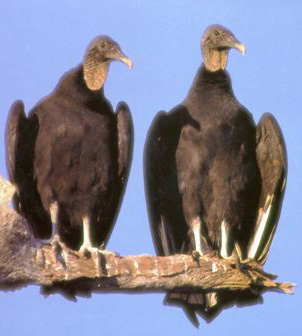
(196, 255)
(87, 251)
(108, 253)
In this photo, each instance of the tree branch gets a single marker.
(57, 268)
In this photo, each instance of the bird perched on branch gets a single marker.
(70, 157)
(214, 181)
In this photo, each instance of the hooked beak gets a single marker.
(119, 56)
(126, 60)
(232, 42)
(240, 47)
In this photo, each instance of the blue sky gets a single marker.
(40, 40)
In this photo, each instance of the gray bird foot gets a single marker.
(54, 240)
(88, 251)
(57, 243)
(196, 255)
(45, 242)
(108, 253)
(232, 259)
(246, 261)
(61, 252)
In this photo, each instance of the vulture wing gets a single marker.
(125, 138)
(20, 138)
(154, 155)
(272, 162)
(16, 126)
(167, 223)
(164, 201)
(125, 142)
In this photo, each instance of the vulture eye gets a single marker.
(103, 45)
(216, 32)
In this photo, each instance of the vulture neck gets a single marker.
(73, 85)
(215, 59)
(209, 89)
(95, 73)
(206, 80)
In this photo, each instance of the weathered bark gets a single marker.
(57, 268)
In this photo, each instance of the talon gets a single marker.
(196, 255)
(232, 260)
(61, 251)
(246, 261)
(108, 253)
(87, 251)
(56, 238)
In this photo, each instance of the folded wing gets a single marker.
(272, 162)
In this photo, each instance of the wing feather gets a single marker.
(164, 200)
(20, 138)
(125, 135)
(125, 140)
(272, 162)
(153, 155)
(16, 125)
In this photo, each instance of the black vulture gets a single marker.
(70, 157)
(214, 182)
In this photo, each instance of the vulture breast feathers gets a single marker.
(214, 181)
(70, 157)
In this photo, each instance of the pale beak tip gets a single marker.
(130, 64)
(239, 46)
(242, 49)
(127, 61)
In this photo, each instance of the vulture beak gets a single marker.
(126, 60)
(119, 56)
(232, 42)
(240, 47)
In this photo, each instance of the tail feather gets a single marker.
(204, 305)
(209, 305)
(183, 300)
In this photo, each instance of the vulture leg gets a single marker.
(59, 247)
(224, 241)
(196, 228)
(227, 243)
(87, 243)
(54, 215)
(87, 247)
(198, 299)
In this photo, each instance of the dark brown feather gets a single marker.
(72, 156)
(272, 162)
(206, 160)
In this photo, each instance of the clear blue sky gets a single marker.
(41, 39)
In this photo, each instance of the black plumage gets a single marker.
(208, 172)
(70, 158)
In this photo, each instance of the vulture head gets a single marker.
(99, 54)
(216, 43)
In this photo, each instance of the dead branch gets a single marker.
(54, 266)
